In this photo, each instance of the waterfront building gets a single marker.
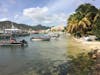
(57, 28)
(12, 30)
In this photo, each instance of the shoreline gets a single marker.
(88, 44)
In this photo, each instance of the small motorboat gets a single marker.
(40, 38)
(21, 43)
(54, 35)
(14, 44)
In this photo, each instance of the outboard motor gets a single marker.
(23, 42)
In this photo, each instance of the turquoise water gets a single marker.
(39, 58)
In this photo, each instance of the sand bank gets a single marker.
(89, 44)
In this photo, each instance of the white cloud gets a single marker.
(43, 16)
(51, 14)
(55, 13)
(55, 18)
(35, 12)
(4, 19)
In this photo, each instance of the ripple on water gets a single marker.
(39, 58)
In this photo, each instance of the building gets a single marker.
(57, 28)
(12, 30)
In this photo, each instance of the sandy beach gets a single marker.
(76, 46)
(89, 44)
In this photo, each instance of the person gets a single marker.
(23, 41)
(12, 40)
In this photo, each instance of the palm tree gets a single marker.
(97, 16)
(76, 23)
(82, 20)
(84, 9)
(96, 28)
(72, 24)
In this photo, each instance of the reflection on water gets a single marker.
(39, 58)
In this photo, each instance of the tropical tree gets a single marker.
(96, 29)
(97, 16)
(72, 23)
(84, 9)
(82, 21)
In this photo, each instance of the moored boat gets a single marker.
(14, 44)
(21, 43)
(54, 35)
(40, 38)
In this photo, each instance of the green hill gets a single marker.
(8, 24)
(40, 27)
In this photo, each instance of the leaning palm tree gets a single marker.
(72, 24)
(84, 25)
(82, 20)
(77, 24)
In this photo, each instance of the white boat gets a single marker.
(36, 39)
(40, 38)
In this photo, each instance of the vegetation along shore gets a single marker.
(84, 27)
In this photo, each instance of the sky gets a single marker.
(45, 12)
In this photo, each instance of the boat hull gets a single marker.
(36, 39)
(14, 44)
(40, 39)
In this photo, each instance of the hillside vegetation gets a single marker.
(8, 24)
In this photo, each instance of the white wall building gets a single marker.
(57, 28)
(12, 30)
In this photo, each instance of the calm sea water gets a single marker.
(39, 58)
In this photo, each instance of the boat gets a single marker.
(54, 35)
(22, 43)
(40, 38)
(14, 44)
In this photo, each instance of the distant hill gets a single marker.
(40, 27)
(8, 24)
